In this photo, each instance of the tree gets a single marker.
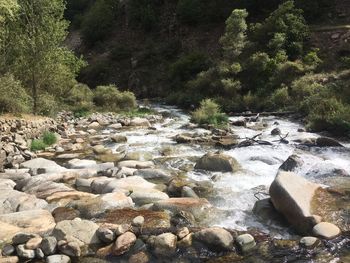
(37, 56)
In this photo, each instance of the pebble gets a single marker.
(245, 242)
(25, 253)
(138, 221)
(326, 230)
(309, 242)
(58, 259)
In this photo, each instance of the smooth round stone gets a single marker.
(138, 221)
(326, 230)
(309, 242)
(8, 250)
(245, 242)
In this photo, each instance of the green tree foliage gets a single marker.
(209, 113)
(75, 10)
(14, 98)
(109, 98)
(98, 22)
(38, 58)
(143, 13)
(80, 99)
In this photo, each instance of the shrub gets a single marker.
(49, 138)
(79, 99)
(111, 99)
(209, 113)
(143, 13)
(47, 105)
(189, 11)
(14, 98)
(37, 145)
(280, 98)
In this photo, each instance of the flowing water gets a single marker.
(234, 192)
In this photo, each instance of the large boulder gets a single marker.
(82, 231)
(293, 162)
(292, 195)
(327, 142)
(33, 222)
(217, 162)
(41, 165)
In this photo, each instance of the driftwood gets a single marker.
(251, 141)
(271, 113)
(282, 139)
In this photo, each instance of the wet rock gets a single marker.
(188, 192)
(115, 126)
(123, 243)
(245, 242)
(217, 162)
(309, 242)
(226, 141)
(326, 169)
(81, 230)
(215, 238)
(31, 222)
(292, 195)
(276, 131)
(8, 250)
(22, 238)
(265, 211)
(327, 142)
(39, 253)
(121, 229)
(152, 174)
(294, 161)
(48, 245)
(22, 252)
(240, 123)
(119, 138)
(164, 244)
(265, 159)
(326, 230)
(58, 259)
(153, 219)
(67, 156)
(136, 164)
(186, 242)
(196, 206)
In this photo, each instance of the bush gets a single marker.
(143, 13)
(189, 11)
(280, 98)
(79, 99)
(14, 98)
(47, 105)
(37, 145)
(49, 138)
(209, 113)
(109, 98)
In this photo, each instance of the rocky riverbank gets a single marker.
(151, 189)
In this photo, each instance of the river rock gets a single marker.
(327, 142)
(81, 164)
(123, 243)
(58, 259)
(245, 242)
(22, 252)
(32, 222)
(139, 156)
(117, 138)
(292, 195)
(80, 230)
(136, 164)
(43, 165)
(276, 131)
(294, 161)
(48, 245)
(215, 238)
(147, 196)
(33, 243)
(128, 184)
(143, 122)
(13, 259)
(309, 242)
(188, 192)
(217, 162)
(115, 126)
(106, 235)
(94, 125)
(100, 149)
(8, 250)
(152, 174)
(69, 248)
(266, 212)
(140, 257)
(39, 253)
(164, 244)
(138, 221)
(199, 207)
(326, 230)
(182, 232)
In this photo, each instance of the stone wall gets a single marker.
(15, 137)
